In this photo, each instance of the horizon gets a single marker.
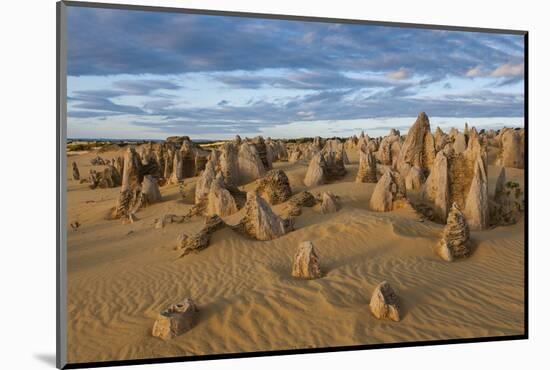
(212, 77)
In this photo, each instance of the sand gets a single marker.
(121, 276)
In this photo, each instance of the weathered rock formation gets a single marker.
(264, 152)
(275, 187)
(315, 174)
(150, 190)
(436, 188)
(201, 240)
(418, 149)
(250, 166)
(384, 303)
(204, 183)
(108, 178)
(476, 209)
(455, 242)
(389, 148)
(511, 151)
(132, 196)
(306, 262)
(329, 203)
(297, 202)
(76, 173)
(390, 192)
(415, 179)
(461, 178)
(98, 161)
(335, 157)
(220, 200)
(367, 166)
(229, 166)
(259, 221)
(176, 319)
(507, 203)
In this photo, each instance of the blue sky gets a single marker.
(137, 74)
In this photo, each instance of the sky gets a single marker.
(148, 75)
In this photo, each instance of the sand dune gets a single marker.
(121, 276)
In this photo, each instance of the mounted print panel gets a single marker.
(242, 184)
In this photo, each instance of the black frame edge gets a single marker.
(290, 17)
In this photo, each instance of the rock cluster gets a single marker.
(455, 242)
(306, 262)
(384, 303)
(176, 320)
(461, 178)
(108, 178)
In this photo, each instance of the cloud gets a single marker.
(475, 72)
(299, 80)
(144, 87)
(508, 70)
(117, 41)
(400, 74)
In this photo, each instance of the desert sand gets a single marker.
(121, 275)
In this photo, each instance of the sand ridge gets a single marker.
(121, 276)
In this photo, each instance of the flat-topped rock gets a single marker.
(176, 320)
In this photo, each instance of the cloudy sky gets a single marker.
(136, 74)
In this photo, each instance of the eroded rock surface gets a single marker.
(306, 262)
(384, 303)
(176, 320)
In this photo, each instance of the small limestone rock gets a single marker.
(329, 203)
(384, 303)
(181, 240)
(306, 262)
(176, 320)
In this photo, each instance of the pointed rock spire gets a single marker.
(455, 242)
(306, 262)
